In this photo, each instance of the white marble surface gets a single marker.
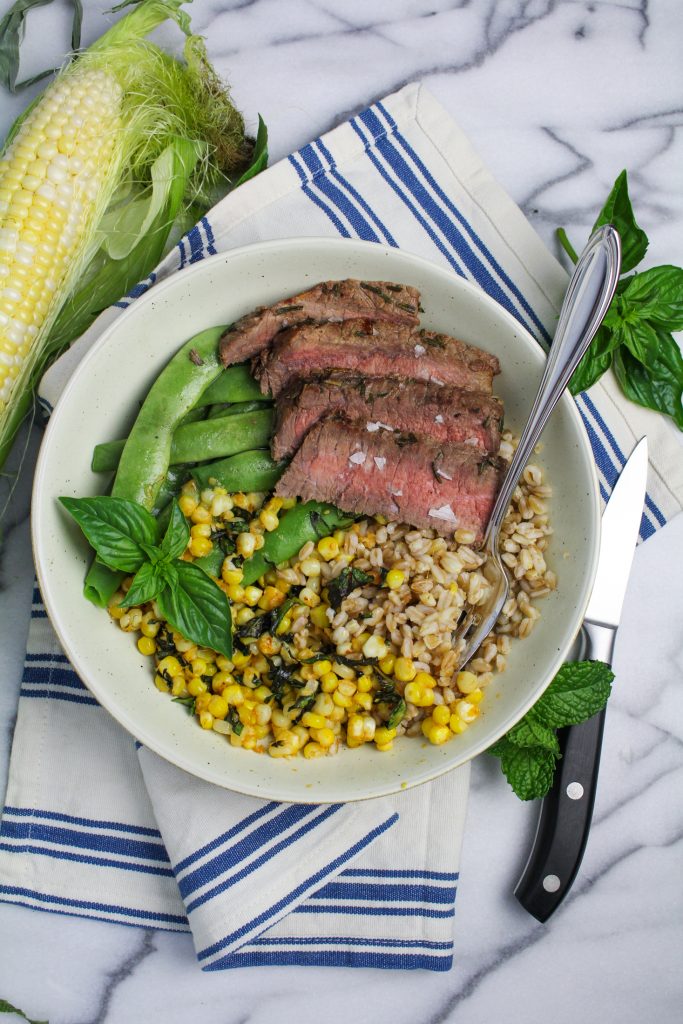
(557, 96)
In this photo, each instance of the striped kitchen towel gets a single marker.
(95, 827)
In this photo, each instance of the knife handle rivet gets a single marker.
(574, 790)
(551, 883)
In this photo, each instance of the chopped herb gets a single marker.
(388, 695)
(393, 287)
(407, 306)
(164, 642)
(234, 721)
(377, 291)
(195, 357)
(347, 581)
(287, 309)
(265, 623)
(362, 334)
(187, 702)
(303, 704)
(405, 439)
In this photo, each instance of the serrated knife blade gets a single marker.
(567, 809)
(619, 535)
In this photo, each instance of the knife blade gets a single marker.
(566, 811)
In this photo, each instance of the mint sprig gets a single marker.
(126, 537)
(635, 337)
(530, 750)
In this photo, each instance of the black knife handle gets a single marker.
(566, 811)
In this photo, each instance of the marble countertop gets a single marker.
(557, 96)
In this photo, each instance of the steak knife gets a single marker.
(567, 809)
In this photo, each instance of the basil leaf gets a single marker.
(659, 385)
(347, 581)
(580, 689)
(177, 535)
(595, 361)
(116, 528)
(529, 770)
(146, 585)
(658, 295)
(197, 608)
(618, 211)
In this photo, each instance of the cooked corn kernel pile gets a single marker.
(365, 668)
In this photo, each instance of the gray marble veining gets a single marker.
(557, 96)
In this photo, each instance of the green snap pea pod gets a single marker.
(216, 439)
(197, 442)
(246, 471)
(235, 384)
(198, 413)
(297, 526)
(217, 411)
(145, 457)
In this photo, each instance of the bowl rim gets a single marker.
(136, 729)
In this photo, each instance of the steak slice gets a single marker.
(415, 480)
(383, 403)
(377, 349)
(331, 300)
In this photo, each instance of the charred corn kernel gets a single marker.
(321, 668)
(476, 696)
(387, 664)
(375, 647)
(413, 693)
(244, 615)
(364, 684)
(201, 515)
(221, 504)
(341, 700)
(252, 596)
(318, 616)
(259, 541)
(206, 719)
(195, 687)
(268, 520)
(329, 682)
(236, 593)
(170, 666)
(262, 693)
(188, 504)
(249, 675)
(202, 701)
(328, 548)
(311, 720)
(221, 680)
(438, 734)
(308, 597)
(200, 530)
(323, 704)
(314, 750)
(466, 710)
(363, 700)
(441, 715)
(240, 500)
(404, 670)
(218, 706)
(354, 729)
(231, 575)
(456, 724)
(306, 672)
(146, 645)
(198, 666)
(224, 664)
(347, 687)
(268, 644)
(310, 567)
(358, 641)
(384, 735)
(200, 546)
(149, 625)
(301, 734)
(183, 645)
(274, 504)
(324, 736)
(394, 579)
(279, 719)
(239, 659)
(424, 679)
(161, 683)
(271, 598)
(246, 545)
(114, 610)
(466, 682)
(287, 502)
(285, 624)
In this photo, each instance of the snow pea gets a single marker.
(246, 471)
(235, 384)
(298, 525)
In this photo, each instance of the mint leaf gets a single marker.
(146, 585)
(530, 732)
(658, 295)
(177, 534)
(197, 608)
(529, 770)
(619, 212)
(117, 529)
(580, 689)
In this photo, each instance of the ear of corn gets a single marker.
(123, 144)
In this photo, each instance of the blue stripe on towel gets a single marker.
(60, 836)
(106, 862)
(134, 913)
(263, 859)
(225, 836)
(341, 940)
(377, 911)
(346, 184)
(337, 197)
(73, 698)
(443, 876)
(343, 890)
(48, 675)
(286, 901)
(334, 958)
(306, 189)
(114, 826)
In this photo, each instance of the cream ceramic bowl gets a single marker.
(99, 404)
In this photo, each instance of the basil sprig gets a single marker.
(635, 336)
(126, 537)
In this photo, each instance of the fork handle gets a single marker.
(589, 293)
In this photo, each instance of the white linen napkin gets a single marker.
(95, 827)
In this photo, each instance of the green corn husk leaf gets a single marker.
(182, 147)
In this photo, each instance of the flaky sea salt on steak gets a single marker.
(404, 477)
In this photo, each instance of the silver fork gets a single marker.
(586, 301)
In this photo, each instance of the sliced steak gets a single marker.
(383, 403)
(329, 301)
(377, 349)
(403, 477)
